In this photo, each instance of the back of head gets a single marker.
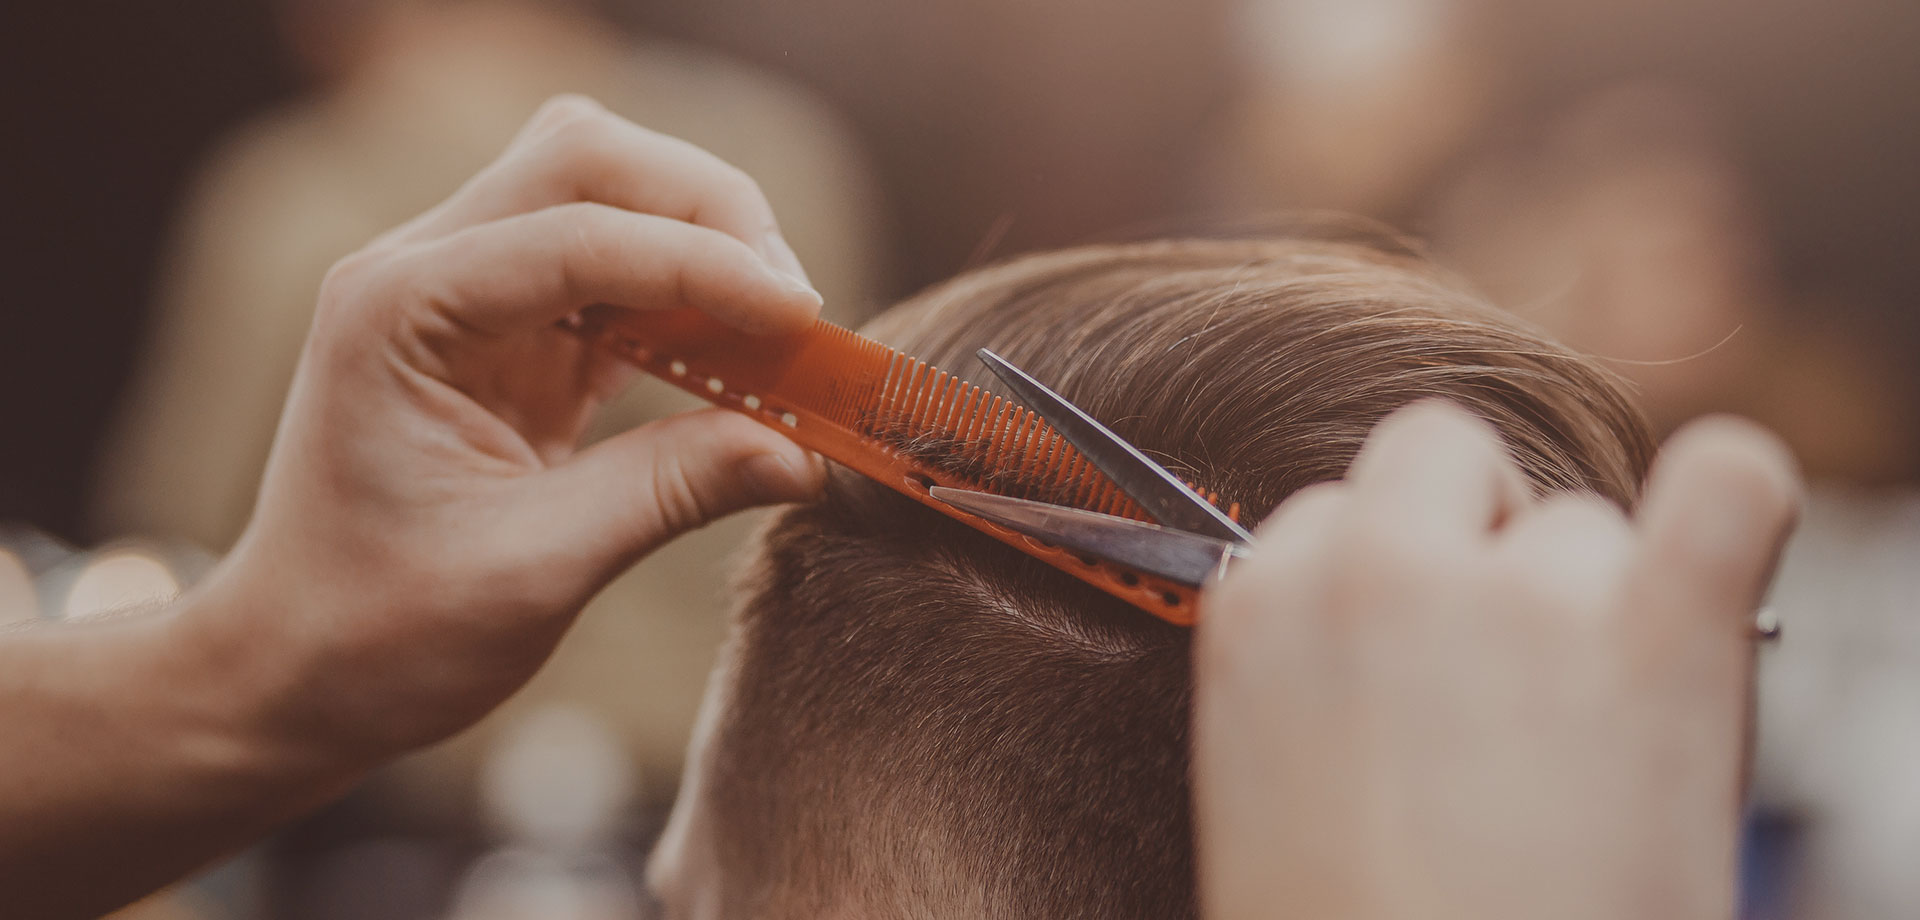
(913, 720)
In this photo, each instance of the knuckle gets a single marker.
(580, 214)
(360, 296)
(584, 144)
(585, 222)
(736, 184)
(588, 235)
(349, 269)
(737, 179)
(567, 109)
(587, 228)
(1373, 541)
(1435, 420)
(1375, 565)
(1529, 585)
(677, 504)
(575, 154)
(350, 279)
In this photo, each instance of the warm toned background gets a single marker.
(1717, 197)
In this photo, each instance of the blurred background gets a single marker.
(1715, 197)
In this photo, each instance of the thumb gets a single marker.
(627, 495)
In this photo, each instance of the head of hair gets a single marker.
(914, 720)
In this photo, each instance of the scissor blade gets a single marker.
(1160, 493)
(1178, 556)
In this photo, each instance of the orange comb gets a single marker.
(892, 418)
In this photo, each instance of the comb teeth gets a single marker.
(984, 439)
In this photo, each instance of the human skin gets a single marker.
(426, 529)
(1429, 695)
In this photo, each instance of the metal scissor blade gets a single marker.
(1185, 558)
(1159, 492)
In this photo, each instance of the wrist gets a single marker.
(261, 710)
(148, 741)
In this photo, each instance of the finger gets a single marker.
(1264, 673)
(529, 270)
(1279, 572)
(627, 495)
(575, 150)
(1717, 510)
(1722, 498)
(1436, 472)
(1571, 547)
(1297, 529)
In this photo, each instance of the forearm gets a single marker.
(140, 743)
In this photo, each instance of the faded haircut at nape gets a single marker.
(911, 719)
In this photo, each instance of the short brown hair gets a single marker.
(919, 720)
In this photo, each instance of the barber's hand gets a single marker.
(1426, 695)
(426, 530)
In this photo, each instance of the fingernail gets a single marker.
(802, 289)
(774, 248)
(792, 286)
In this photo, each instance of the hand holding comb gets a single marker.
(1044, 478)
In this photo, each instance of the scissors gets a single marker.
(1193, 542)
